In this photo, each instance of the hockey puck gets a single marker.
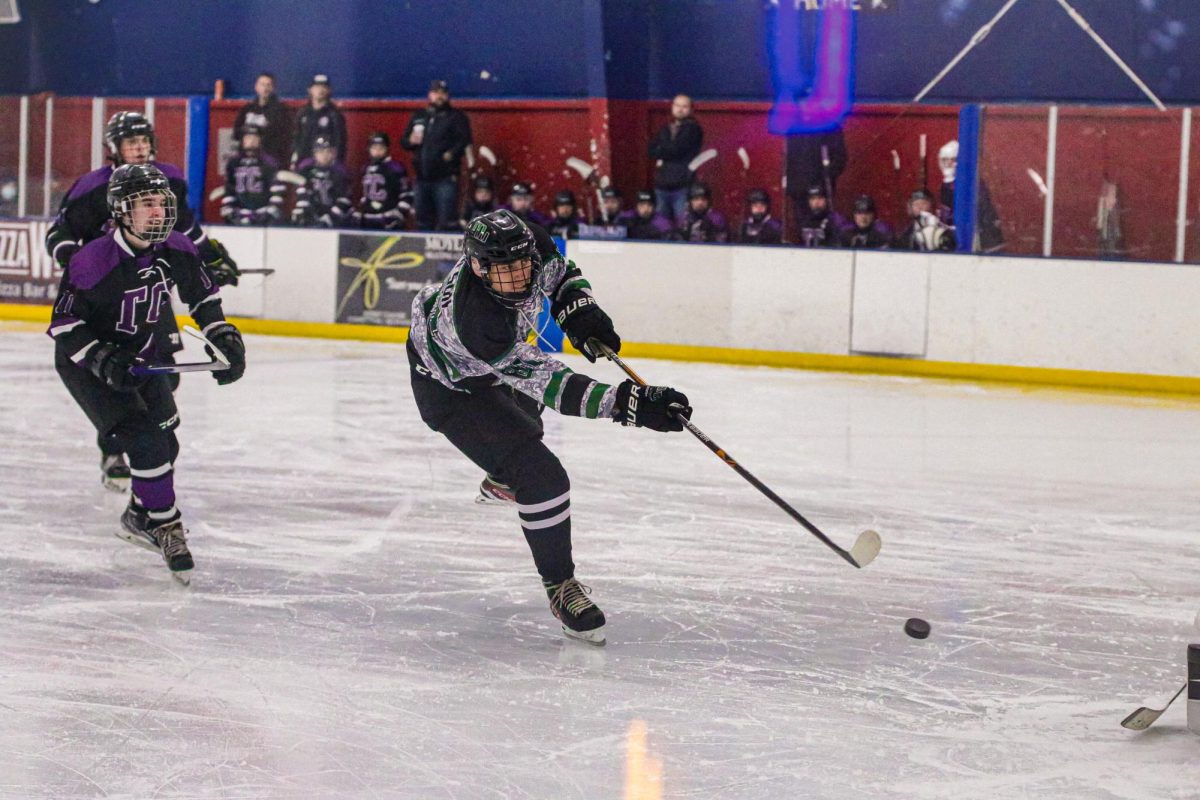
(917, 628)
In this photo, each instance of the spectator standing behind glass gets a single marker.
(320, 118)
(482, 200)
(673, 148)
(253, 195)
(646, 223)
(520, 202)
(564, 222)
(438, 135)
(926, 231)
(703, 223)
(270, 116)
(819, 225)
(868, 232)
(323, 200)
(759, 226)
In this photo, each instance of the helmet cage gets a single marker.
(123, 211)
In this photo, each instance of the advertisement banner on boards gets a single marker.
(27, 273)
(379, 274)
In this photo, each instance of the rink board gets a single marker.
(1119, 325)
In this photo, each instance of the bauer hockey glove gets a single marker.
(220, 264)
(110, 363)
(228, 340)
(581, 319)
(658, 408)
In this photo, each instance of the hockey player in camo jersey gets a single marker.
(479, 383)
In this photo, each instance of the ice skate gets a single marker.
(580, 617)
(492, 492)
(114, 473)
(169, 540)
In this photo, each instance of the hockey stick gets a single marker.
(1144, 717)
(264, 271)
(866, 546)
(219, 361)
(702, 159)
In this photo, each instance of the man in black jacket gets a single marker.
(320, 118)
(438, 135)
(270, 116)
(673, 147)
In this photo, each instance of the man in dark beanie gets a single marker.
(438, 135)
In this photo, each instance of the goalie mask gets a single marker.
(503, 254)
(141, 202)
(948, 160)
(125, 125)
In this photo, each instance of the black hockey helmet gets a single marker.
(379, 137)
(699, 189)
(817, 190)
(500, 237)
(758, 196)
(565, 198)
(521, 189)
(132, 182)
(322, 143)
(645, 196)
(864, 204)
(250, 129)
(921, 194)
(483, 182)
(126, 124)
(610, 193)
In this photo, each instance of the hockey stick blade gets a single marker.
(702, 159)
(264, 271)
(171, 369)
(866, 546)
(1145, 717)
(215, 351)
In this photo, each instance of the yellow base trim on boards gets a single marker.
(989, 373)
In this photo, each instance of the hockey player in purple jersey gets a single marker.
(760, 227)
(84, 216)
(386, 192)
(480, 383)
(646, 223)
(323, 200)
(520, 203)
(106, 320)
(703, 223)
(253, 192)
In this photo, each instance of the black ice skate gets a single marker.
(168, 539)
(580, 617)
(493, 492)
(114, 473)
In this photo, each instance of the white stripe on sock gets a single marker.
(146, 474)
(533, 508)
(549, 522)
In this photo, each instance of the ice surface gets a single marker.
(358, 627)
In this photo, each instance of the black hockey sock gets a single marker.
(543, 494)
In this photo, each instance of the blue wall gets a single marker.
(577, 48)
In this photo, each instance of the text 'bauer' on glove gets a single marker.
(659, 408)
(582, 319)
(228, 340)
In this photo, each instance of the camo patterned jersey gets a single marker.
(469, 341)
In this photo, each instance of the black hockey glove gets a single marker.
(581, 319)
(222, 266)
(110, 363)
(658, 408)
(63, 253)
(228, 340)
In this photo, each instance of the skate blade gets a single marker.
(594, 637)
(489, 500)
(183, 577)
(137, 539)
